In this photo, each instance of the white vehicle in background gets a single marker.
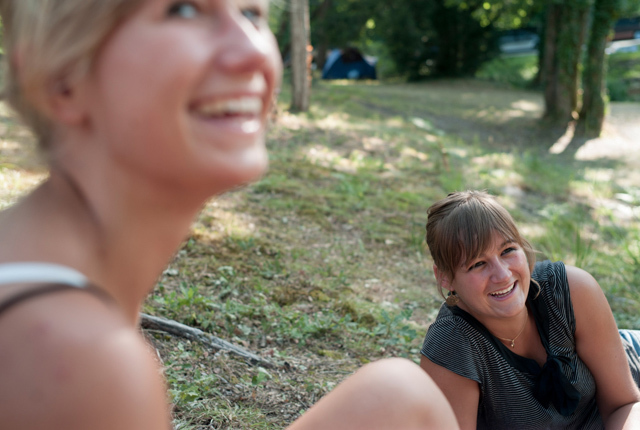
(518, 41)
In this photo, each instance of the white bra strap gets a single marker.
(14, 273)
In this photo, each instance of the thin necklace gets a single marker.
(513, 341)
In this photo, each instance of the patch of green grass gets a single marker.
(544, 173)
(517, 71)
(623, 77)
(568, 235)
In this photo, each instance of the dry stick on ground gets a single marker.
(175, 328)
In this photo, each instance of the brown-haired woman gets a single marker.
(520, 344)
(145, 109)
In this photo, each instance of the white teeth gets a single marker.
(241, 105)
(503, 292)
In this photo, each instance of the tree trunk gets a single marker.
(566, 30)
(594, 101)
(300, 64)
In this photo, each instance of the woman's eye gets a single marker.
(253, 14)
(183, 9)
(508, 250)
(476, 265)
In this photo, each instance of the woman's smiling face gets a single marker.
(180, 92)
(494, 285)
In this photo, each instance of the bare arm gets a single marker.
(462, 393)
(599, 346)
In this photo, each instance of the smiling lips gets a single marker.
(244, 106)
(503, 293)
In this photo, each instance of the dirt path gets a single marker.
(620, 139)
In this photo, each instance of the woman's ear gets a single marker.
(66, 101)
(59, 99)
(441, 278)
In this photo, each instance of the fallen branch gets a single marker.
(177, 329)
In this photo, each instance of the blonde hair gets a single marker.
(48, 41)
(460, 228)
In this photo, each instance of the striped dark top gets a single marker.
(515, 393)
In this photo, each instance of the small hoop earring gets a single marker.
(452, 298)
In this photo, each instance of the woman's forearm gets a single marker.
(626, 417)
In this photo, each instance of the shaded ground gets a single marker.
(621, 138)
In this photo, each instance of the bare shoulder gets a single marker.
(586, 294)
(580, 280)
(70, 361)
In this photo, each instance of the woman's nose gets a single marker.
(500, 272)
(247, 48)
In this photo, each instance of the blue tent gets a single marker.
(349, 64)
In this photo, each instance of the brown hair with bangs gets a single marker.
(460, 228)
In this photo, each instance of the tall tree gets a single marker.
(594, 99)
(566, 26)
(300, 56)
(594, 95)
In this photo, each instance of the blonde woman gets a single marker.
(144, 108)
(519, 344)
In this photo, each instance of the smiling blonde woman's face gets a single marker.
(178, 90)
(181, 91)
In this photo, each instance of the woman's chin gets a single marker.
(245, 172)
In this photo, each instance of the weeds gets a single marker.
(394, 330)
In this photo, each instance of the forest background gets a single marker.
(321, 266)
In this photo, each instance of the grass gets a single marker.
(623, 80)
(321, 267)
(517, 70)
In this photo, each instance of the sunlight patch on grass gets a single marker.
(531, 231)
(217, 221)
(335, 122)
(408, 152)
(16, 183)
(322, 156)
(396, 122)
(374, 144)
(500, 160)
(527, 106)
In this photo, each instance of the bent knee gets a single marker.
(399, 376)
(403, 387)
